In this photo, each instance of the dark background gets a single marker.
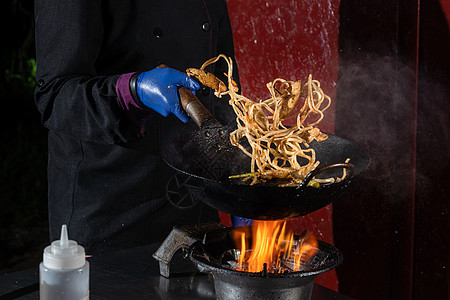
(393, 89)
(23, 186)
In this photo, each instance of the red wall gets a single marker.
(290, 39)
(445, 4)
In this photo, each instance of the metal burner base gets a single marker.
(232, 288)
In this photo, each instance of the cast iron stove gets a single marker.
(211, 248)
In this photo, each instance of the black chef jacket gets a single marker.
(106, 180)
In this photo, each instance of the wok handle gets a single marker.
(195, 109)
(350, 171)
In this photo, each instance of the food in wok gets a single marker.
(277, 151)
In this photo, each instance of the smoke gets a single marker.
(386, 107)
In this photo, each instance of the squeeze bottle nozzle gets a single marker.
(64, 239)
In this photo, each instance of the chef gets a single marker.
(109, 109)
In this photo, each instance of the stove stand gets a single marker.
(181, 237)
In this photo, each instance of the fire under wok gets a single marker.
(207, 157)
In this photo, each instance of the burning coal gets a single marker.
(268, 247)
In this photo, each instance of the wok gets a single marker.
(208, 158)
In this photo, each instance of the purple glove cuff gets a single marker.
(137, 114)
(123, 91)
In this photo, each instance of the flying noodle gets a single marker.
(276, 150)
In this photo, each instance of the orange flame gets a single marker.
(269, 243)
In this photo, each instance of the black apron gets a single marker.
(106, 179)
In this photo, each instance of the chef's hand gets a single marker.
(157, 89)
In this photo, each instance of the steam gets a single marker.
(382, 106)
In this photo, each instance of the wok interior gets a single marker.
(194, 155)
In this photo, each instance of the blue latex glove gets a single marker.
(157, 89)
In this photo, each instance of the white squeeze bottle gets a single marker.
(64, 271)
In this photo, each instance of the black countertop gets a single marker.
(134, 274)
